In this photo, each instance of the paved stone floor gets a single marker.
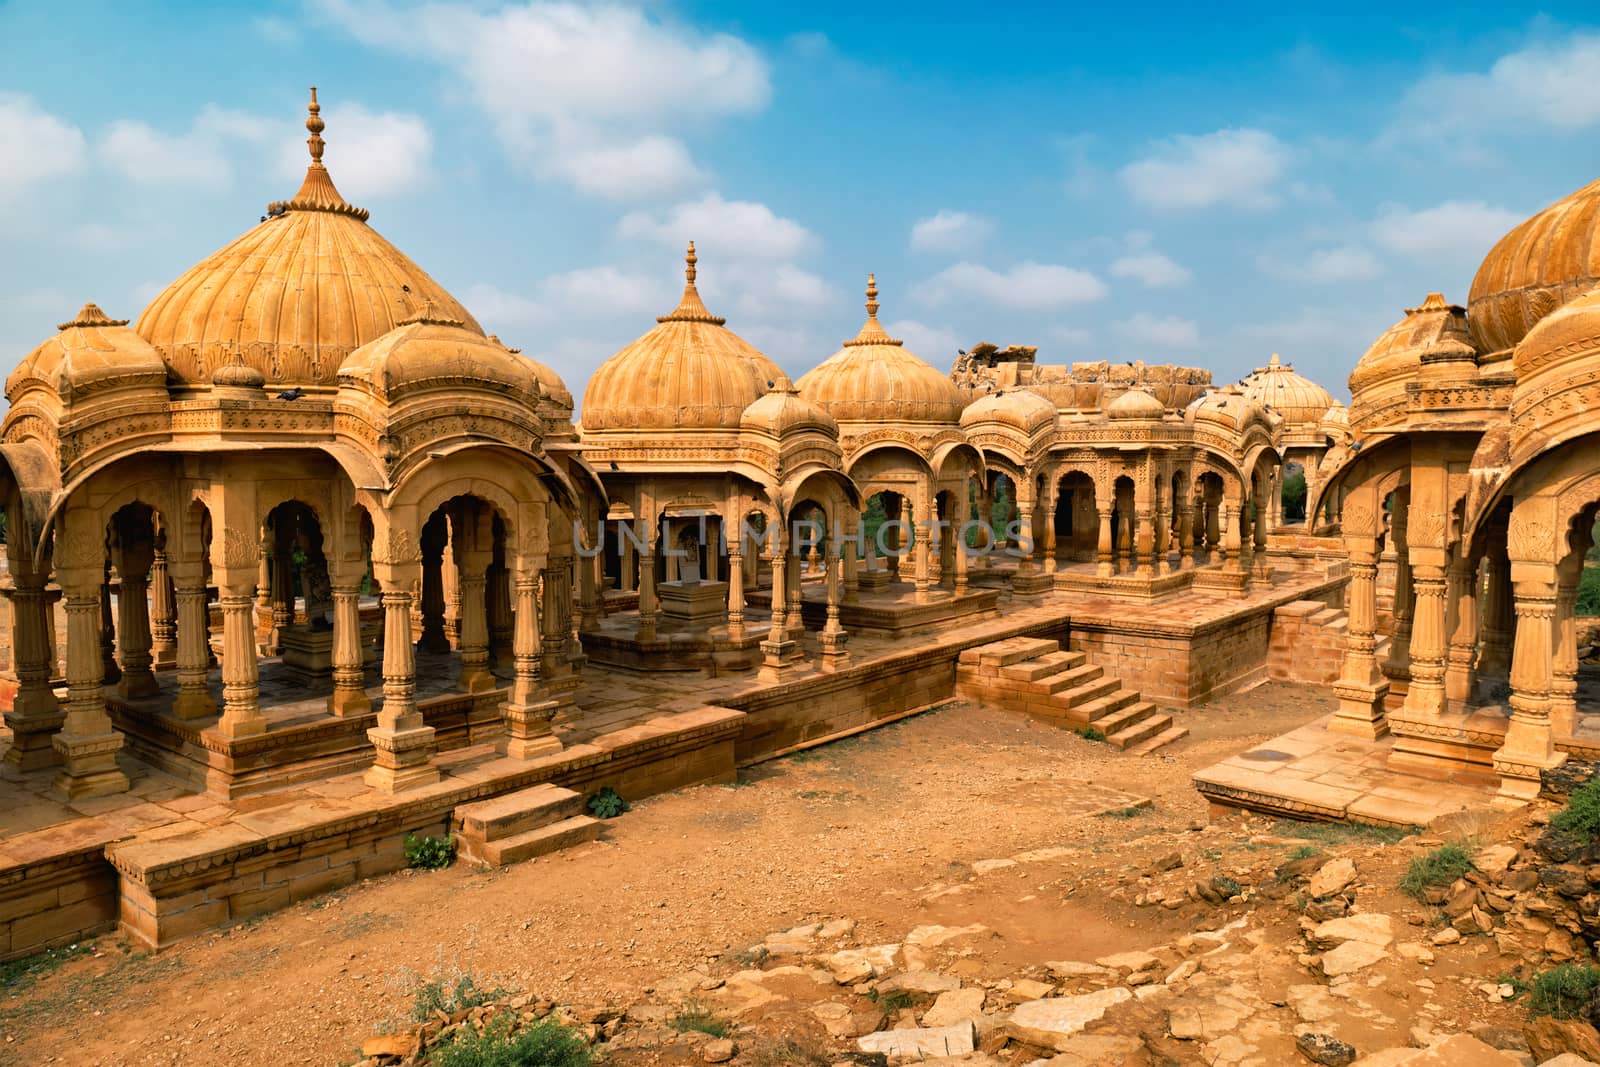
(1311, 772)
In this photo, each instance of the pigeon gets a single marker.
(292, 394)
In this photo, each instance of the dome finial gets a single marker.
(1274, 361)
(315, 124)
(690, 308)
(872, 296)
(689, 260)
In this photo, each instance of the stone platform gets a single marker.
(1309, 773)
(894, 609)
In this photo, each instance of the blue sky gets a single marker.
(1117, 183)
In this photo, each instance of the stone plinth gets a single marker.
(308, 653)
(696, 603)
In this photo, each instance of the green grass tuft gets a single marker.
(1090, 733)
(1564, 992)
(1581, 816)
(697, 1017)
(544, 1044)
(19, 974)
(1440, 867)
(1341, 833)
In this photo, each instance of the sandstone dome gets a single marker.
(1301, 401)
(1543, 263)
(689, 373)
(784, 411)
(92, 351)
(875, 378)
(433, 350)
(295, 295)
(1227, 408)
(1019, 409)
(1135, 403)
(1434, 328)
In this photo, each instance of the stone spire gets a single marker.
(317, 192)
(691, 308)
(315, 124)
(872, 332)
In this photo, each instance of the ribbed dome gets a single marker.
(295, 295)
(433, 350)
(784, 411)
(1557, 365)
(92, 350)
(874, 378)
(689, 373)
(1546, 261)
(1336, 421)
(551, 382)
(1434, 328)
(1301, 401)
(1135, 403)
(1020, 409)
(1228, 408)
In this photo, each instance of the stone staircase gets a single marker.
(518, 826)
(1306, 643)
(1034, 675)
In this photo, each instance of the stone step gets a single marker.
(1083, 694)
(540, 841)
(1125, 716)
(514, 813)
(1096, 710)
(1072, 679)
(1012, 650)
(1149, 724)
(1161, 740)
(1325, 616)
(1031, 670)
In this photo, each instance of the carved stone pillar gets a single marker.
(1186, 538)
(241, 710)
(795, 614)
(779, 652)
(35, 715)
(1425, 696)
(1398, 665)
(647, 592)
(87, 742)
(1529, 745)
(1213, 529)
(920, 547)
(434, 638)
(530, 710)
(133, 621)
(1461, 622)
(497, 594)
(1144, 543)
(833, 639)
(1564, 664)
(1494, 658)
(735, 590)
(1107, 563)
(471, 543)
(111, 674)
(1229, 548)
(963, 561)
(193, 642)
(349, 695)
(1361, 687)
(163, 608)
(556, 634)
(282, 575)
(401, 740)
(1162, 545)
(589, 591)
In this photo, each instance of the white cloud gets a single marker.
(1030, 285)
(496, 308)
(1152, 268)
(1236, 167)
(579, 93)
(1454, 231)
(1167, 331)
(1338, 263)
(368, 153)
(586, 294)
(35, 146)
(949, 231)
(722, 229)
(1555, 84)
(202, 156)
(274, 30)
(936, 344)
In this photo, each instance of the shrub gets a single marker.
(1305, 852)
(1090, 733)
(1440, 867)
(1581, 816)
(430, 853)
(790, 1054)
(544, 1044)
(1564, 992)
(697, 1017)
(449, 990)
(606, 804)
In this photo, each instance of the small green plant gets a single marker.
(1228, 887)
(607, 804)
(1305, 852)
(697, 1017)
(429, 853)
(1440, 867)
(19, 974)
(789, 1054)
(1564, 992)
(544, 1044)
(899, 1000)
(1341, 833)
(1518, 984)
(1125, 813)
(1581, 816)
(752, 957)
(448, 990)
(1090, 733)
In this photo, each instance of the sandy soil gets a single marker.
(868, 829)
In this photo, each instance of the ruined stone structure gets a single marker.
(305, 533)
(1478, 470)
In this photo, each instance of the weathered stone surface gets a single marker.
(1205, 1021)
(1371, 928)
(919, 982)
(1549, 1037)
(1494, 859)
(718, 1051)
(1050, 1023)
(856, 964)
(920, 1043)
(1101, 1050)
(1350, 957)
(1075, 969)
(1458, 1050)
(1325, 1049)
(1332, 877)
(954, 1006)
(934, 936)
(1129, 961)
(1029, 989)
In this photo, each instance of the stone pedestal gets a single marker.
(700, 604)
(872, 580)
(528, 730)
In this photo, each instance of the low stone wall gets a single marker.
(57, 899)
(1306, 643)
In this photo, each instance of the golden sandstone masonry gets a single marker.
(301, 562)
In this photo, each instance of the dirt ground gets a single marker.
(869, 829)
